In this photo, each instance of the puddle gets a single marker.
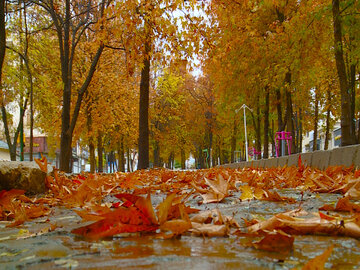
(59, 249)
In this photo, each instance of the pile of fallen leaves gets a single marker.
(120, 203)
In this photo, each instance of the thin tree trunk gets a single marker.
(258, 130)
(183, 159)
(92, 155)
(352, 98)
(128, 160)
(100, 151)
(157, 154)
(266, 122)
(316, 119)
(289, 111)
(233, 142)
(121, 155)
(347, 137)
(279, 116)
(301, 130)
(26, 59)
(327, 132)
(91, 138)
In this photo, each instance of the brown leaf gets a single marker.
(177, 226)
(276, 241)
(275, 197)
(303, 226)
(209, 229)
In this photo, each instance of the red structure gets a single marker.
(283, 136)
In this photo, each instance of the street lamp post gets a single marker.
(246, 142)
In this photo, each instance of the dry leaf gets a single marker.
(318, 263)
(210, 230)
(276, 241)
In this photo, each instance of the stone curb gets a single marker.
(343, 156)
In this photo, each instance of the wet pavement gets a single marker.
(47, 242)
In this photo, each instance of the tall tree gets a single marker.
(71, 21)
(347, 133)
(2, 43)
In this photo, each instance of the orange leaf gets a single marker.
(344, 204)
(164, 208)
(326, 217)
(318, 262)
(177, 226)
(42, 163)
(145, 206)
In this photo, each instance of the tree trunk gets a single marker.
(12, 146)
(92, 155)
(352, 99)
(301, 130)
(66, 136)
(128, 160)
(31, 121)
(289, 111)
(316, 119)
(21, 136)
(2, 43)
(279, 116)
(170, 161)
(91, 138)
(157, 154)
(183, 159)
(258, 130)
(100, 151)
(233, 142)
(144, 109)
(121, 155)
(327, 132)
(266, 122)
(347, 138)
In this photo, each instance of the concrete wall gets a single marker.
(345, 156)
(4, 154)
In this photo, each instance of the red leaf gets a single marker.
(77, 182)
(115, 205)
(105, 228)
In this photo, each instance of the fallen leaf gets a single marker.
(318, 263)
(246, 193)
(177, 226)
(276, 241)
(210, 230)
(164, 208)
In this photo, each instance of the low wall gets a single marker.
(345, 156)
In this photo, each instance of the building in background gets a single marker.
(334, 141)
(4, 151)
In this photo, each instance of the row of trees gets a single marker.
(53, 49)
(293, 62)
(114, 75)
